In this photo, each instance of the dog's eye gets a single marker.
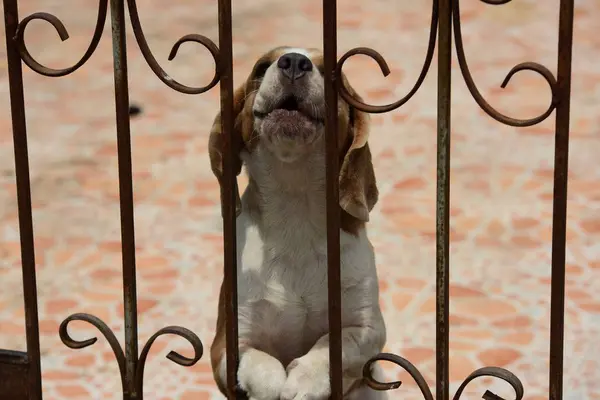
(261, 69)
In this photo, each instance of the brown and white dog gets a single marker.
(281, 232)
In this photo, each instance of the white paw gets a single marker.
(306, 381)
(261, 376)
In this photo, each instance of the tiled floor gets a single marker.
(501, 191)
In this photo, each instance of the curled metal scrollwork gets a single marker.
(173, 356)
(404, 364)
(494, 372)
(155, 66)
(118, 351)
(356, 103)
(531, 66)
(32, 63)
(64, 35)
(104, 330)
(496, 2)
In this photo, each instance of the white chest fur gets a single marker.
(282, 259)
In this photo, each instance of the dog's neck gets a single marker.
(282, 194)
(276, 177)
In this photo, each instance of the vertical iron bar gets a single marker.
(229, 194)
(117, 8)
(17, 105)
(332, 198)
(559, 220)
(443, 200)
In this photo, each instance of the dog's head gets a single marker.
(282, 106)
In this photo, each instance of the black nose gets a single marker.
(294, 65)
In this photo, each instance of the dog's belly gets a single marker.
(282, 288)
(284, 326)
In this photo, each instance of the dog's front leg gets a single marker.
(308, 376)
(260, 375)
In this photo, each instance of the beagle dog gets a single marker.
(279, 136)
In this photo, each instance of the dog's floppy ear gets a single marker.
(357, 184)
(243, 125)
(215, 145)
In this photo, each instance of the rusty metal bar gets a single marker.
(117, 8)
(443, 200)
(17, 105)
(225, 63)
(332, 198)
(559, 219)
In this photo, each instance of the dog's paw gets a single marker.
(261, 376)
(306, 381)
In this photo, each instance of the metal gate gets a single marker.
(20, 373)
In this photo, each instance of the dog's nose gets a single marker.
(294, 65)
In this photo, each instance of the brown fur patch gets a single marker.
(217, 349)
(358, 186)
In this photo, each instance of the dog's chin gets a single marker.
(289, 134)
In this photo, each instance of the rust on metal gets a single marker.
(229, 193)
(117, 8)
(104, 330)
(493, 372)
(64, 35)
(155, 66)
(402, 363)
(17, 106)
(118, 351)
(531, 66)
(130, 367)
(332, 197)
(356, 103)
(406, 365)
(173, 355)
(445, 13)
(20, 373)
(559, 217)
(442, 237)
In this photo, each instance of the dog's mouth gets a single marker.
(290, 103)
(289, 107)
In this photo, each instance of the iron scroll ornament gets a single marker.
(494, 372)
(41, 69)
(358, 104)
(531, 66)
(155, 66)
(177, 358)
(462, 61)
(108, 334)
(64, 35)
